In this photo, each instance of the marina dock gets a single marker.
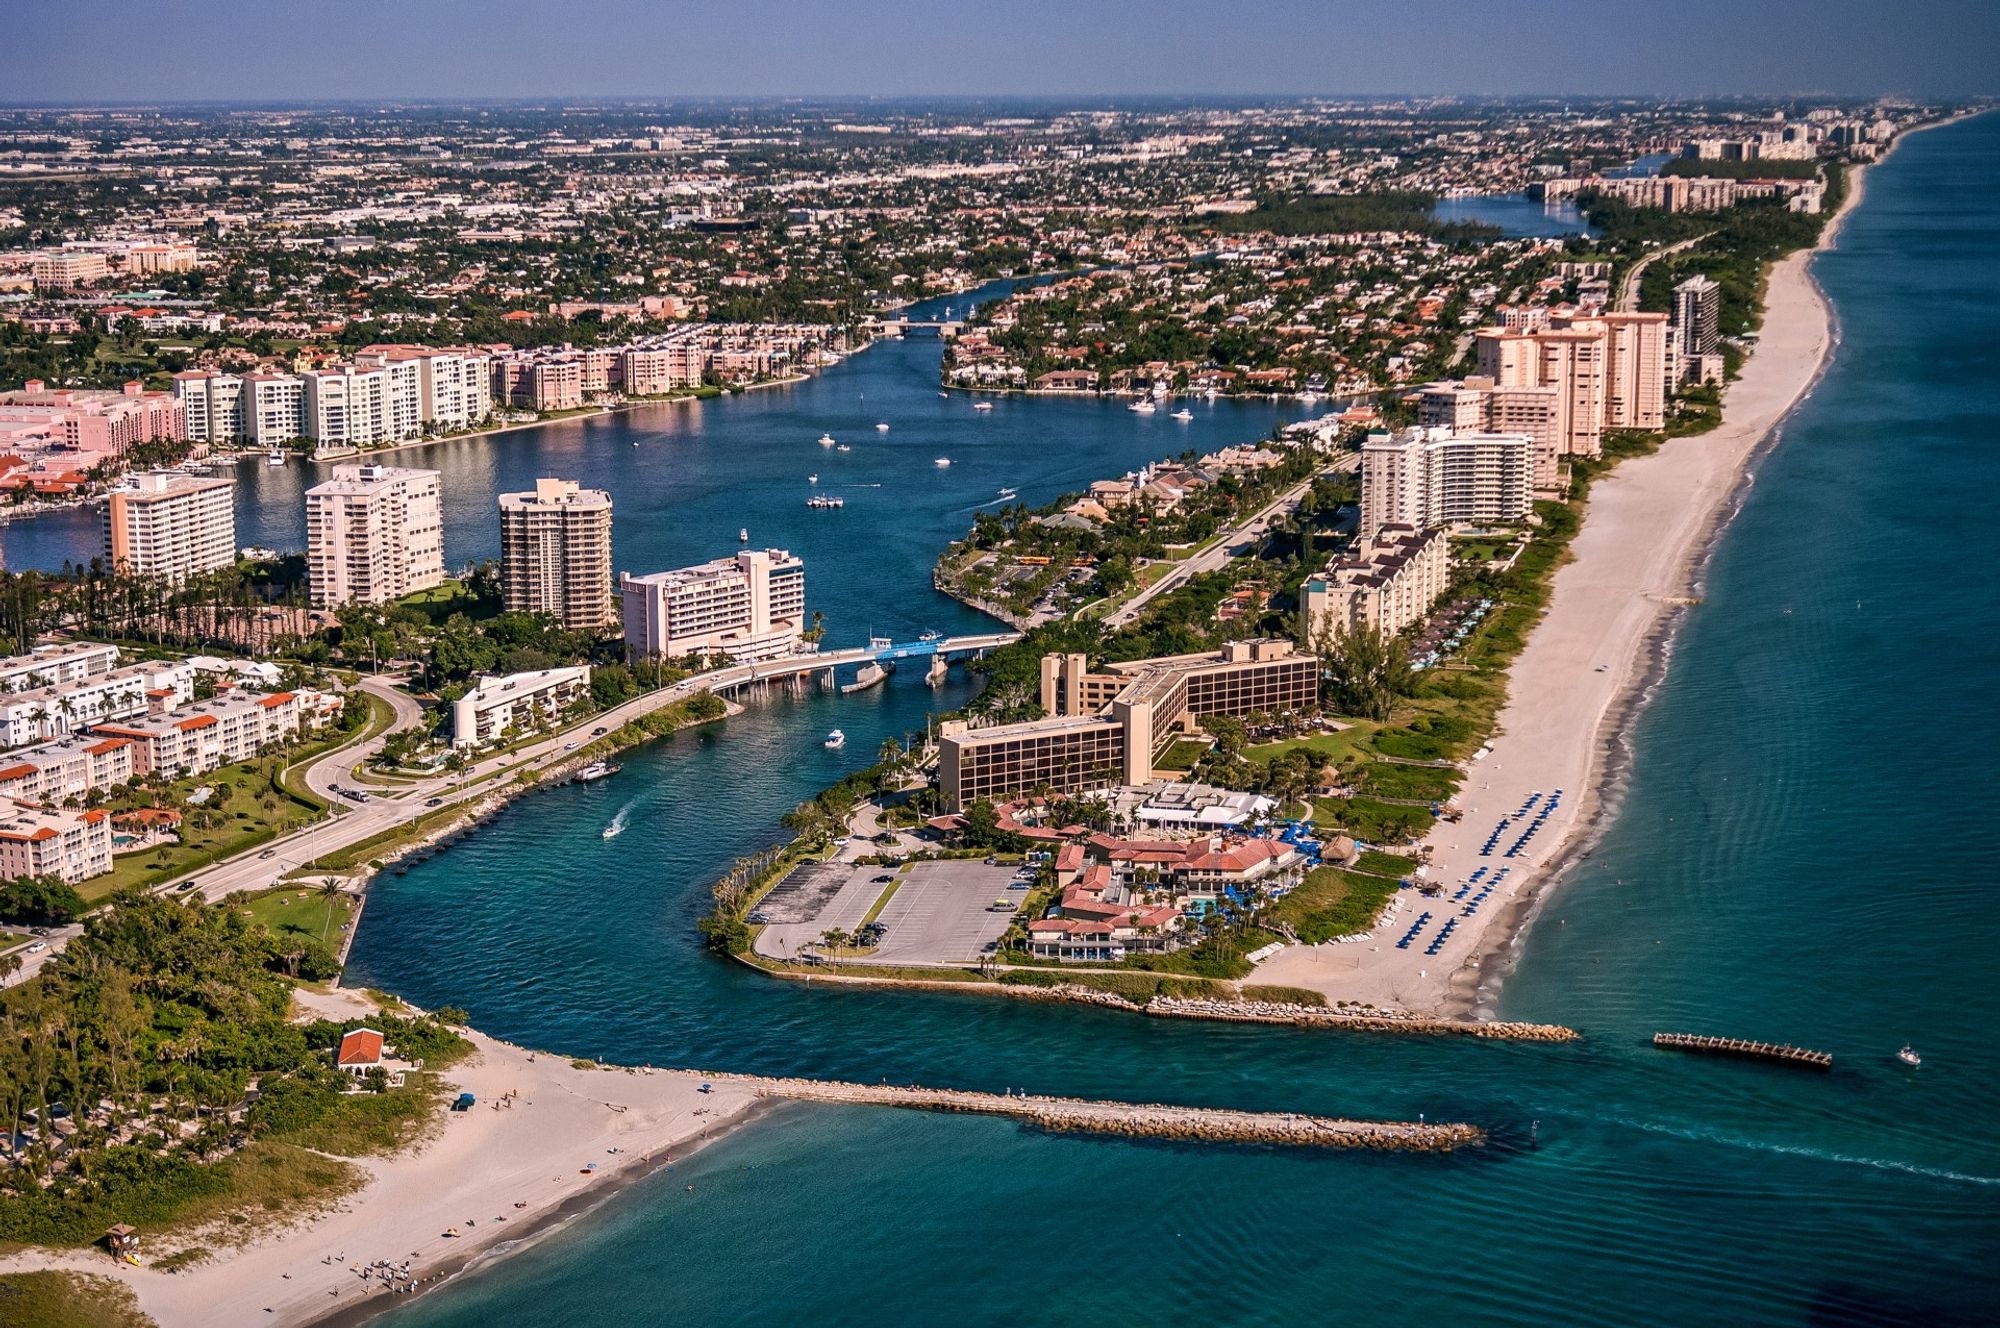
(1761, 1051)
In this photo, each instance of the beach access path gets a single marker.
(1645, 530)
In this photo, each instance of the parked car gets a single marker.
(882, 880)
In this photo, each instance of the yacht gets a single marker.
(1143, 406)
(882, 428)
(597, 770)
(1908, 1056)
(835, 741)
(932, 635)
(1009, 493)
(982, 405)
(821, 500)
(1184, 414)
(743, 535)
(940, 461)
(275, 457)
(812, 479)
(826, 440)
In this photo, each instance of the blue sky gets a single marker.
(141, 50)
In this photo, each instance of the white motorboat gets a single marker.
(1009, 493)
(932, 635)
(1908, 1056)
(1143, 406)
(940, 461)
(1183, 414)
(812, 479)
(882, 428)
(743, 535)
(982, 405)
(275, 457)
(597, 770)
(945, 395)
(843, 448)
(826, 440)
(835, 741)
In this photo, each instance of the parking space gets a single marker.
(813, 900)
(939, 914)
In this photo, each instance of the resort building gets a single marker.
(223, 731)
(40, 841)
(1479, 405)
(1435, 477)
(515, 700)
(99, 425)
(53, 772)
(57, 665)
(748, 607)
(40, 713)
(373, 534)
(1389, 582)
(171, 525)
(1106, 729)
(555, 554)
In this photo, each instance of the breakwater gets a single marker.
(1137, 1120)
(1366, 1019)
(1785, 1052)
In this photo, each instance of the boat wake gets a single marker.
(1793, 1150)
(618, 822)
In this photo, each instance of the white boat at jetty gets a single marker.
(821, 500)
(835, 741)
(882, 428)
(826, 440)
(940, 461)
(982, 405)
(275, 457)
(597, 770)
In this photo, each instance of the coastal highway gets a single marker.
(1217, 553)
(1628, 288)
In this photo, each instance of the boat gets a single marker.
(843, 448)
(882, 428)
(1143, 406)
(1183, 414)
(275, 457)
(743, 535)
(821, 500)
(932, 635)
(1908, 1056)
(945, 395)
(940, 461)
(812, 479)
(1009, 493)
(597, 770)
(826, 440)
(982, 405)
(835, 741)
(613, 830)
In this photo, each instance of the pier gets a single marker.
(1784, 1053)
(1135, 1120)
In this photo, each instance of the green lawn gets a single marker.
(1334, 747)
(1367, 819)
(1182, 755)
(303, 913)
(68, 1300)
(252, 814)
(1331, 902)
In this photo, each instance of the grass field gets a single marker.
(252, 813)
(1331, 902)
(67, 1300)
(304, 913)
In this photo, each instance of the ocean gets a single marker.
(1801, 852)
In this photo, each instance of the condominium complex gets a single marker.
(56, 665)
(53, 772)
(171, 525)
(210, 734)
(515, 700)
(1696, 343)
(37, 713)
(1479, 405)
(39, 841)
(748, 607)
(1434, 477)
(555, 554)
(90, 426)
(1608, 369)
(1390, 581)
(388, 394)
(1104, 729)
(373, 534)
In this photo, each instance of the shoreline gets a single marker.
(1658, 520)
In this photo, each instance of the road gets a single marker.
(1628, 288)
(1217, 553)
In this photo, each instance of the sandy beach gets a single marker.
(1584, 672)
(498, 1176)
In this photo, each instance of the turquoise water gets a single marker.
(1804, 852)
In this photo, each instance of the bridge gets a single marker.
(879, 650)
(943, 326)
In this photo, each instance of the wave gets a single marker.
(1794, 1150)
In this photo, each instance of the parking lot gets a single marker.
(938, 914)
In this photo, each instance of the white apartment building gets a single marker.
(219, 732)
(274, 409)
(41, 713)
(749, 607)
(498, 703)
(36, 841)
(213, 406)
(57, 665)
(1434, 477)
(171, 525)
(373, 534)
(454, 386)
(356, 404)
(1389, 582)
(555, 554)
(1479, 405)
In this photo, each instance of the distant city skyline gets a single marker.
(126, 51)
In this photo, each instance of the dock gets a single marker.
(1785, 1053)
(1136, 1120)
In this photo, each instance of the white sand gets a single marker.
(479, 1165)
(1644, 531)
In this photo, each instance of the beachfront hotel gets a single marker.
(749, 607)
(1608, 369)
(171, 525)
(555, 554)
(1389, 582)
(373, 534)
(1434, 477)
(1480, 405)
(1106, 729)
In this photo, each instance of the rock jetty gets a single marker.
(1365, 1019)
